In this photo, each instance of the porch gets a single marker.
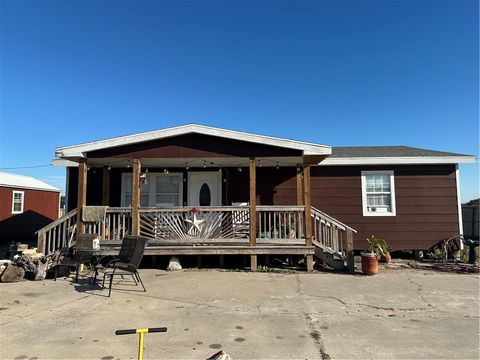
(223, 230)
(181, 187)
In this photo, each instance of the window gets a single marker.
(378, 193)
(127, 191)
(156, 190)
(167, 190)
(17, 202)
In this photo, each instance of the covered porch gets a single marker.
(195, 190)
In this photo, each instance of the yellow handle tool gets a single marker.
(141, 332)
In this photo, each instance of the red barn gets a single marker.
(26, 205)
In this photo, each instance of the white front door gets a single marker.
(205, 188)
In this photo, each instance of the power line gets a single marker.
(25, 167)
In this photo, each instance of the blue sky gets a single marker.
(333, 72)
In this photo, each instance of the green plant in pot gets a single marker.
(370, 257)
(385, 255)
(380, 248)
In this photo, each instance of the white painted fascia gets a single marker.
(63, 163)
(390, 160)
(80, 150)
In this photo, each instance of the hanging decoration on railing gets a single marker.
(196, 224)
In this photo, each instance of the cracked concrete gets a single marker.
(249, 315)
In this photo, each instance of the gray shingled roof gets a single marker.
(385, 151)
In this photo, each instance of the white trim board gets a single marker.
(359, 161)
(78, 151)
(22, 203)
(393, 204)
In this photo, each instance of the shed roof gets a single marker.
(24, 182)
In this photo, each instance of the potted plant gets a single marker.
(385, 255)
(370, 257)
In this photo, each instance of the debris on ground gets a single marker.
(174, 264)
(433, 266)
(27, 262)
(221, 355)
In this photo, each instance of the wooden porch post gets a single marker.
(350, 253)
(81, 195)
(308, 212)
(300, 199)
(253, 212)
(105, 199)
(136, 197)
(299, 187)
(106, 187)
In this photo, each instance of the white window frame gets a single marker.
(393, 211)
(13, 201)
(151, 181)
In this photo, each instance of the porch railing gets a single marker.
(57, 234)
(275, 224)
(62, 232)
(195, 224)
(330, 232)
(280, 223)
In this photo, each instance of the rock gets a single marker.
(12, 273)
(174, 264)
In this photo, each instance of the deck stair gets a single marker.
(330, 239)
(335, 260)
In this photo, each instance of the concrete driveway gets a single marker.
(249, 315)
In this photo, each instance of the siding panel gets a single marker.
(425, 194)
(426, 200)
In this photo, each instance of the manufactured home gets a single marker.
(199, 190)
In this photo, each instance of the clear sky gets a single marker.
(332, 72)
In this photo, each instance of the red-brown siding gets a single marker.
(39, 209)
(426, 198)
(426, 204)
(193, 146)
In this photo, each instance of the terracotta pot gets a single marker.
(369, 263)
(387, 258)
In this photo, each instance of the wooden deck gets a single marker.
(279, 230)
(232, 248)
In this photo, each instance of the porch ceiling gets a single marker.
(184, 162)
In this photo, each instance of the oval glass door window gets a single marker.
(205, 197)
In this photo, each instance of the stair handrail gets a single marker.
(65, 217)
(317, 213)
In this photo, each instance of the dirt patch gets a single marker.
(428, 267)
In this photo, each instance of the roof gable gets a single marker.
(79, 151)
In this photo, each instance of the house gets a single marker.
(26, 205)
(195, 189)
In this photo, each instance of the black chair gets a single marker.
(63, 258)
(127, 263)
(82, 253)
